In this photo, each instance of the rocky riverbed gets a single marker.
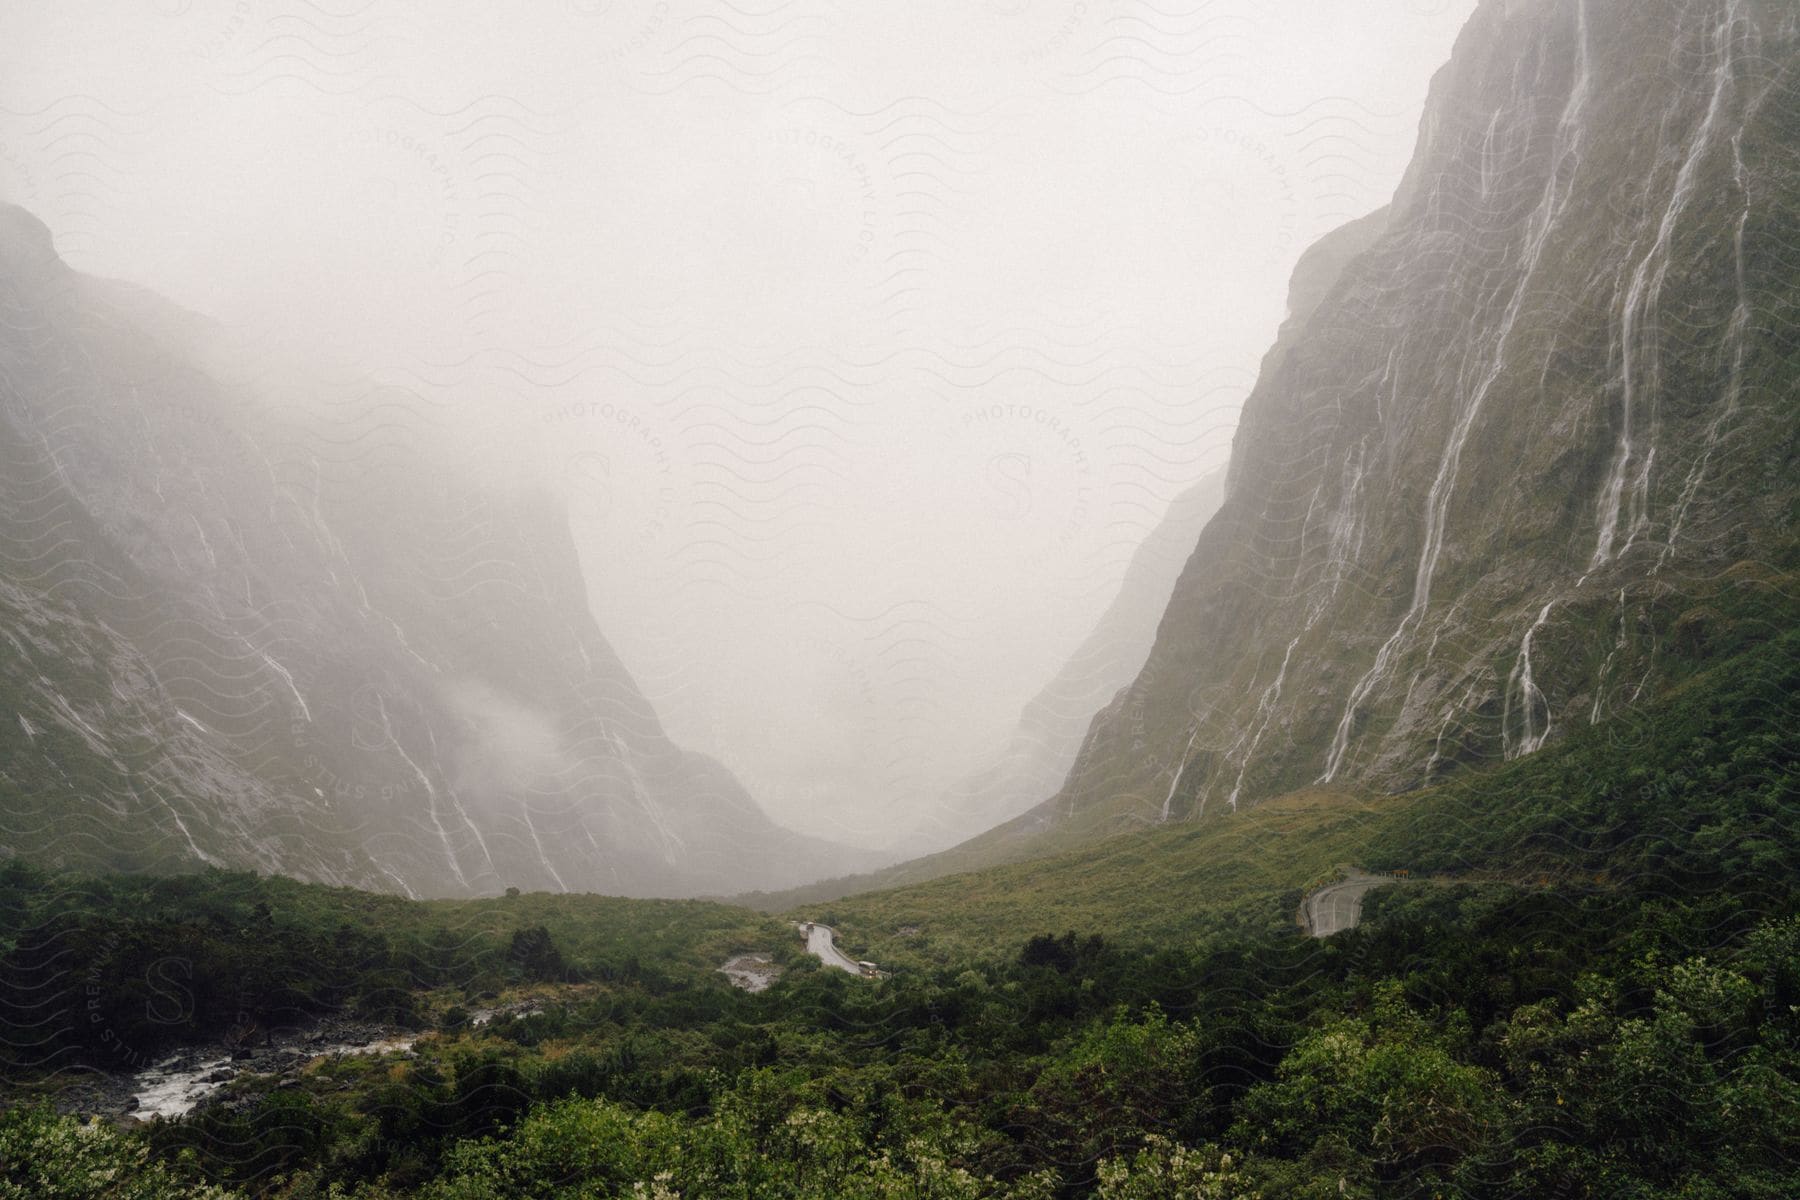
(752, 972)
(194, 1076)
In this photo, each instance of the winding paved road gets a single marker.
(819, 941)
(1338, 906)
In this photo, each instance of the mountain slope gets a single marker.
(307, 647)
(1500, 481)
(1037, 756)
(1523, 455)
(1686, 798)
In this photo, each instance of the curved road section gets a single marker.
(1338, 906)
(819, 941)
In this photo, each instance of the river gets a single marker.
(173, 1087)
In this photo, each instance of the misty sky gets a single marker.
(865, 341)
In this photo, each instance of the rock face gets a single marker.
(234, 639)
(1525, 450)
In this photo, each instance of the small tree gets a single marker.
(535, 956)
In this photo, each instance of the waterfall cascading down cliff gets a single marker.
(1531, 455)
(230, 637)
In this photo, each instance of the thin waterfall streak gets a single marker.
(1531, 698)
(1169, 799)
(430, 795)
(1623, 502)
(1557, 191)
(1734, 336)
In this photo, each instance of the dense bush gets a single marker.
(1622, 1021)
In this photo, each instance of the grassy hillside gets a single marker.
(1705, 631)
(1245, 871)
(1694, 792)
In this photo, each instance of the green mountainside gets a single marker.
(1525, 436)
(1587, 985)
(1497, 483)
(1629, 803)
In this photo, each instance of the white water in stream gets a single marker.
(171, 1089)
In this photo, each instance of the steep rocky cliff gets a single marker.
(1524, 454)
(308, 647)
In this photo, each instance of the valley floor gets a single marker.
(1604, 1005)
